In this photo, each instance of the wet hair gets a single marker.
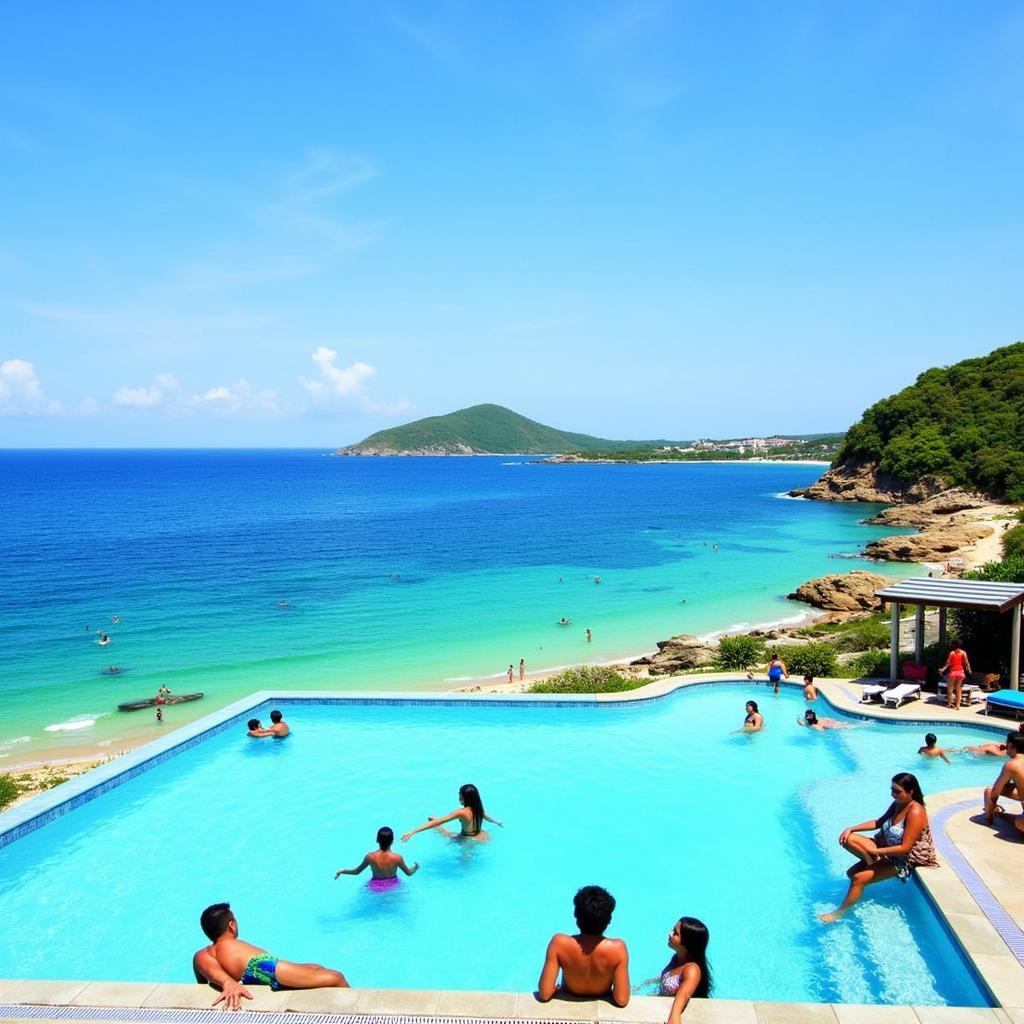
(470, 797)
(1016, 740)
(930, 739)
(275, 717)
(593, 907)
(808, 678)
(254, 723)
(812, 719)
(385, 837)
(752, 704)
(909, 784)
(693, 934)
(214, 920)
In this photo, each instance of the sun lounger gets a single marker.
(898, 694)
(971, 692)
(1005, 700)
(871, 692)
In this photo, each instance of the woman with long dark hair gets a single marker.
(470, 815)
(902, 843)
(687, 975)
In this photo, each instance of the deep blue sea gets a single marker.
(234, 571)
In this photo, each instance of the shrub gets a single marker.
(818, 659)
(587, 679)
(9, 789)
(869, 635)
(740, 652)
(1013, 542)
(986, 635)
(874, 664)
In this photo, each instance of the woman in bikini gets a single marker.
(957, 665)
(470, 816)
(903, 842)
(687, 975)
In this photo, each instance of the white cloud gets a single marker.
(138, 398)
(21, 393)
(345, 384)
(241, 398)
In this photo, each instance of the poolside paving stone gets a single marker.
(528, 1007)
(477, 1004)
(201, 997)
(853, 1013)
(44, 993)
(795, 1013)
(323, 1000)
(957, 1015)
(114, 993)
(641, 1010)
(421, 1002)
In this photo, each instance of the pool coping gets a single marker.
(957, 889)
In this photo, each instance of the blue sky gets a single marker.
(294, 224)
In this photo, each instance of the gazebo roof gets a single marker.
(953, 593)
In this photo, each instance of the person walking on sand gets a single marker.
(957, 665)
(383, 864)
(510, 673)
(522, 669)
(776, 671)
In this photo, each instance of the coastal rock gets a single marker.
(861, 481)
(844, 592)
(947, 503)
(679, 653)
(930, 545)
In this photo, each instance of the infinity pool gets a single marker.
(660, 802)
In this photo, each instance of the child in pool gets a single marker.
(382, 863)
(931, 748)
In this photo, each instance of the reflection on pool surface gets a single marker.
(659, 801)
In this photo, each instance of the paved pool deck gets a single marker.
(977, 890)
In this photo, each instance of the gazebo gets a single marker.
(952, 593)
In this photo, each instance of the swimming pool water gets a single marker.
(660, 802)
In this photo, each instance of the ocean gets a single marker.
(234, 571)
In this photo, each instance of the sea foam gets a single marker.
(78, 722)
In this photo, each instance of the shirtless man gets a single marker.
(230, 964)
(931, 747)
(810, 690)
(383, 864)
(1010, 782)
(278, 727)
(591, 965)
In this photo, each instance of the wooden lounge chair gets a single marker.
(899, 694)
(1005, 700)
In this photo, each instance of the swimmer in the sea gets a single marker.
(116, 620)
(563, 621)
(931, 748)
(470, 815)
(104, 639)
(384, 865)
(588, 634)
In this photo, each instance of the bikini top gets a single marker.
(670, 982)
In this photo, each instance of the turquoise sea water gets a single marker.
(738, 830)
(233, 571)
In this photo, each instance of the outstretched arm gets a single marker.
(431, 823)
(494, 821)
(409, 870)
(354, 871)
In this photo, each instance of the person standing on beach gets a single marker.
(776, 671)
(957, 665)
(511, 673)
(522, 669)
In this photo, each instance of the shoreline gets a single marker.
(73, 760)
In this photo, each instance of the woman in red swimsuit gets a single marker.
(958, 665)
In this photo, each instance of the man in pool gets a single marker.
(1009, 784)
(230, 964)
(383, 863)
(591, 965)
(278, 727)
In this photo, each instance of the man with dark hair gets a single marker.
(230, 964)
(591, 965)
(1009, 784)
(278, 727)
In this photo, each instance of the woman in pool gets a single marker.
(812, 721)
(753, 722)
(470, 816)
(687, 975)
(903, 843)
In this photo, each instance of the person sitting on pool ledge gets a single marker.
(230, 964)
(591, 965)
(470, 815)
(383, 864)
(278, 730)
(1009, 784)
(753, 722)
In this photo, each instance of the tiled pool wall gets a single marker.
(47, 807)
